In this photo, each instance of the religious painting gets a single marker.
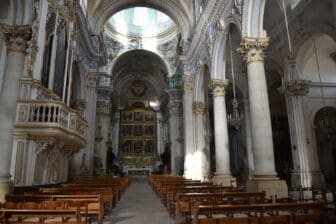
(127, 130)
(138, 145)
(127, 115)
(149, 116)
(149, 146)
(138, 116)
(149, 130)
(137, 130)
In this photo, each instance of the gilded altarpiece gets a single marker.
(137, 143)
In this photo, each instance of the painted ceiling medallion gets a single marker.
(138, 88)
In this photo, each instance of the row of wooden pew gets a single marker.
(77, 202)
(195, 202)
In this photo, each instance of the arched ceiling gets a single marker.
(139, 76)
(178, 10)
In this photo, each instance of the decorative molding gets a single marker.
(295, 88)
(175, 109)
(218, 86)
(91, 80)
(16, 36)
(187, 83)
(103, 107)
(253, 49)
(199, 107)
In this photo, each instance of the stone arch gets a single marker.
(325, 142)
(150, 53)
(171, 8)
(218, 57)
(253, 17)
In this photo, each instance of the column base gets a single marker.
(5, 188)
(224, 180)
(307, 179)
(272, 186)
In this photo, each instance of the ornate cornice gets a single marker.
(295, 88)
(252, 49)
(199, 107)
(218, 86)
(16, 36)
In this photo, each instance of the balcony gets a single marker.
(45, 119)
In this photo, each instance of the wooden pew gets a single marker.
(107, 196)
(173, 192)
(284, 213)
(185, 202)
(91, 205)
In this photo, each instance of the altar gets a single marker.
(133, 171)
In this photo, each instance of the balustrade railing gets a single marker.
(50, 113)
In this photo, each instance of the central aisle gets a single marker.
(139, 205)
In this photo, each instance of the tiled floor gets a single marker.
(139, 205)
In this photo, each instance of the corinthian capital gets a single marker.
(252, 49)
(218, 86)
(16, 36)
(199, 107)
(187, 83)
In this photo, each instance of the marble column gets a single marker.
(16, 37)
(306, 171)
(103, 134)
(202, 168)
(248, 135)
(187, 84)
(265, 176)
(175, 130)
(223, 173)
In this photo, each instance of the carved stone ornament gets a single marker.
(175, 108)
(295, 88)
(91, 80)
(187, 83)
(103, 107)
(199, 107)
(138, 88)
(218, 86)
(252, 49)
(16, 36)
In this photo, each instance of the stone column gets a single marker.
(248, 134)
(306, 171)
(265, 176)
(91, 81)
(175, 130)
(158, 132)
(187, 84)
(16, 37)
(103, 125)
(223, 173)
(202, 170)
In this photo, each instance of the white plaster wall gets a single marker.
(307, 65)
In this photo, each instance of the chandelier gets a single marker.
(235, 117)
